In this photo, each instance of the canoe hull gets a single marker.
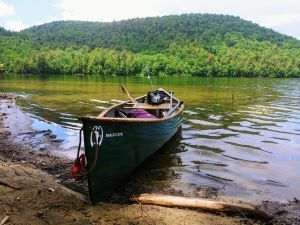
(123, 146)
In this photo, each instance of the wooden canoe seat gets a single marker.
(146, 106)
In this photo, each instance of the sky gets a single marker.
(280, 15)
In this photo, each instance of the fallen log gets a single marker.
(203, 204)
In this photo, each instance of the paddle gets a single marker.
(127, 93)
(174, 108)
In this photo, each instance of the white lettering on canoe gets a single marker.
(111, 135)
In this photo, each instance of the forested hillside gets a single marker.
(185, 45)
(149, 34)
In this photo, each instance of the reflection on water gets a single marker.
(241, 136)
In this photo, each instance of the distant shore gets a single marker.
(33, 188)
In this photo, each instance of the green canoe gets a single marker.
(115, 145)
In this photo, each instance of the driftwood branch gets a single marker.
(4, 220)
(203, 204)
(6, 210)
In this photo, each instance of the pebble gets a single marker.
(51, 190)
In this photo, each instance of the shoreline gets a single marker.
(19, 156)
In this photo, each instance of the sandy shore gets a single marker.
(30, 196)
(36, 188)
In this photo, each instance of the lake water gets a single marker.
(240, 136)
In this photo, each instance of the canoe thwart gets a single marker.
(146, 106)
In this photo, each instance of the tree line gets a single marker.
(216, 50)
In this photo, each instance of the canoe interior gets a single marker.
(141, 103)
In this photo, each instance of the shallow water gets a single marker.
(241, 136)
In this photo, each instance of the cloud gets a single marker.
(6, 10)
(15, 25)
(104, 10)
(280, 20)
(108, 10)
